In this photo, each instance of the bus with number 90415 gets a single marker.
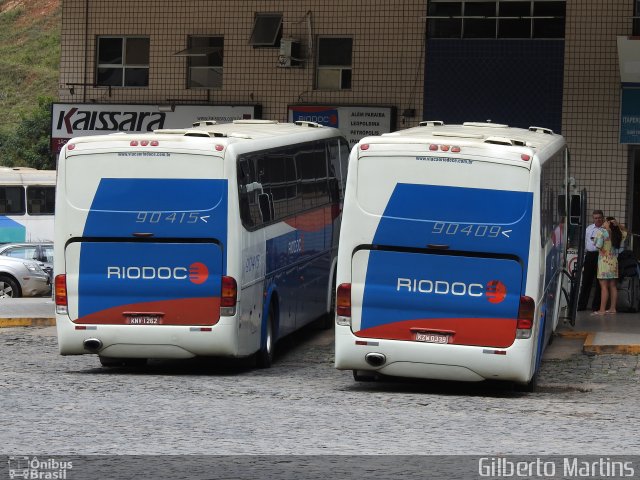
(215, 240)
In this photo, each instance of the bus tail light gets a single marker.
(228, 296)
(60, 292)
(525, 317)
(343, 304)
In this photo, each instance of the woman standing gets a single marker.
(608, 240)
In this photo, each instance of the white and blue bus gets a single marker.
(215, 240)
(451, 252)
(27, 204)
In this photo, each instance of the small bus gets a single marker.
(451, 253)
(27, 204)
(214, 240)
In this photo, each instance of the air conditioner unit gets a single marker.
(290, 53)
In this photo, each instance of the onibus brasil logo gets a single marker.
(35, 468)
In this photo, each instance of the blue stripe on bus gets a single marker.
(468, 219)
(179, 208)
(11, 231)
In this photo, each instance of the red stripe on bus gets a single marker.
(184, 311)
(486, 332)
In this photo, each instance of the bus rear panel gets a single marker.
(436, 259)
(164, 251)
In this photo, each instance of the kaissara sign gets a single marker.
(70, 120)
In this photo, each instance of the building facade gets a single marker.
(364, 66)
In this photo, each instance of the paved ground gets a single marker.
(303, 406)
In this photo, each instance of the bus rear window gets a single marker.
(11, 200)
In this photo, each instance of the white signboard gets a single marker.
(355, 122)
(70, 120)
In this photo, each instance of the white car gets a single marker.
(22, 278)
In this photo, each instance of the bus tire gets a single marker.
(264, 356)
(364, 376)
(110, 362)
(530, 387)
(9, 287)
(328, 319)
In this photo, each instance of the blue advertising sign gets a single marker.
(630, 115)
(355, 122)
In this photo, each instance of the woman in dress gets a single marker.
(608, 240)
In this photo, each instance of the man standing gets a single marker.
(590, 267)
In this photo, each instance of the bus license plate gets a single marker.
(143, 320)
(429, 337)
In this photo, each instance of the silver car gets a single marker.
(22, 278)
(41, 252)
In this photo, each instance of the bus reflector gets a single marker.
(444, 148)
(155, 143)
(525, 157)
(455, 149)
(525, 317)
(144, 143)
(133, 143)
(433, 147)
(228, 296)
(71, 146)
(343, 300)
(364, 146)
(60, 285)
(219, 148)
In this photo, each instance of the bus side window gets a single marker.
(245, 192)
(12, 200)
(40, 200)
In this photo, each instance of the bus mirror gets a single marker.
(574, 210)
(265, 207)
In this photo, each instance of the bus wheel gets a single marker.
(110, 362)
(328, 319)
(363, 376)
(264, 357)
(530, 387)
(8, 288)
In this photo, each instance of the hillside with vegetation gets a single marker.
(29, 64)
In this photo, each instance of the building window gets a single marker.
(204, 61)
(267, 30)
(496, 19)
(334, 63)
(123, 62)
(636, 18)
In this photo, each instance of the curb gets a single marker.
(590, 349)
(27, 322)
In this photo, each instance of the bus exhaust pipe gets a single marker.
(375, 359)
(92, 344)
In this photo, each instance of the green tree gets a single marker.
(29, 146)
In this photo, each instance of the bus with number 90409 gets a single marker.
(451, 252)
(215, 240)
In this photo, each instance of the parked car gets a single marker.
(40, 252)
(22, 278)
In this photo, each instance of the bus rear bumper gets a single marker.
(149, 341)
(433, 361)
